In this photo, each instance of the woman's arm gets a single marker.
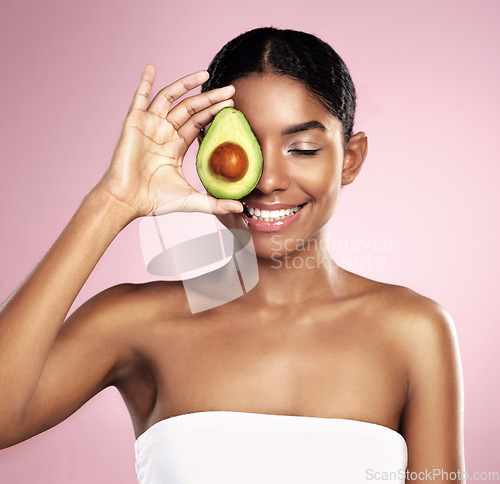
(31, 318)
(432, 422)
(143, 178)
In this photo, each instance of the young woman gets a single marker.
(316, 375)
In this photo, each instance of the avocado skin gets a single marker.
(230, 125)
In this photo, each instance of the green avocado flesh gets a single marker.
(222, 152)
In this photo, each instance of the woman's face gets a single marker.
(302, 147)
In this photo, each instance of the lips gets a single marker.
(270, 217)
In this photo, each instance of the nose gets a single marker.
(275, 175)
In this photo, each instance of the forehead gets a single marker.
(274, 102)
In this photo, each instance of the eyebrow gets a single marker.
(303, 127)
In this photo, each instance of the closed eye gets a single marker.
(304, 152)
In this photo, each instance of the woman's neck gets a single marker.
(304, 274)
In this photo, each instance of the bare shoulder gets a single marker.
(420, 322)
(420, 331)
(411, 316)
(423, 336)
(116, 319)
(427, 334)
(134, 303)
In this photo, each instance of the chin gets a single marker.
(266, 245)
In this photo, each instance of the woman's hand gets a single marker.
(146, 169)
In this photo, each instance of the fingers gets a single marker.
(200, 202)
(162, 102)
(191, 129)
(181, 113)
(141, 96)
(227, 206)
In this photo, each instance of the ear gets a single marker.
(354, 155)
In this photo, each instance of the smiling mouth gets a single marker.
(270, 215)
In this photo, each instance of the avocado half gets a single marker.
(229, 161)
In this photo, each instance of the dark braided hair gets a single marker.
(298, 55)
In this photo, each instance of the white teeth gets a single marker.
(272, 215)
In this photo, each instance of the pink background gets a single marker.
(427, 74)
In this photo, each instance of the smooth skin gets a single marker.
(316, 340)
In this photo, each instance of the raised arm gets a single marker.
(144, 178)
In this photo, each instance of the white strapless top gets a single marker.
(221, 447)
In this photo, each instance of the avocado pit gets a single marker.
(230, 161)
